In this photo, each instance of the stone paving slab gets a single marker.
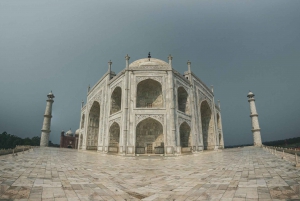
(54, 174)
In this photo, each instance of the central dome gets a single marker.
(152, 63)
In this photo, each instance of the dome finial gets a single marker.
(149, 56)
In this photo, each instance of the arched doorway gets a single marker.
(81, 141)
(114, 138)
(82, 121)
(219, 130)
(185, 137)
(149, 137)
(93, 127)
(207, 126)
(115, 102)
(182, 99)
(69, 146)
(149, 94)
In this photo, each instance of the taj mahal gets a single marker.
(150, 108)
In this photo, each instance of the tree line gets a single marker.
(9, 141)
(289, 143)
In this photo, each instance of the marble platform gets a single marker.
(233, 174)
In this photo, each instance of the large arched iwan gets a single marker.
(219, 130)
(149, 137)
(207, 126)
(93, 126)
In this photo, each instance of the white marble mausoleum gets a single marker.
(150, 108)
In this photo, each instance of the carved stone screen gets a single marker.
(93, 126)
(149, 132)
(116, 100)
(149, 94)
(114, 135)
(183, 104)
(207, 126)
(185, 137)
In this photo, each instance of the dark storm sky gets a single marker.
(236, 46)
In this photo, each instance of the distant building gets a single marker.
(68, 140)
(150, 108)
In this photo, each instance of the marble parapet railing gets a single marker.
(288, 154)
(18, 148)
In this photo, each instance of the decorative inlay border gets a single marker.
(147, 67)
(119, 84)
(96, 89)
(97, 98)
(203, 90)
(156, 78)
(208, 101)
(181, 120)
(141, 117)
(117, 120)
(180, 84)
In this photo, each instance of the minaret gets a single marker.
(47, 121)
(254, 118)
(189, 66)
(109, 66)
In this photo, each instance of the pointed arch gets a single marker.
(114, 137)
(185, 137)
(82, 121)
(149, 137)
(218, 121)
(115, 101)
(219, 131)
(93, 126)
(207, 126)
(183, 100)
(149, 94)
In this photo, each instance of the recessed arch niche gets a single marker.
(114, 137)
(116, 97)
(185, 136)
(149, 94)
(207, 126)
(82, 121)
(219, 130)
(182, 100)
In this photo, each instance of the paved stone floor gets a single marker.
(62, 174)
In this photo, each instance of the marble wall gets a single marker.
(154, 107)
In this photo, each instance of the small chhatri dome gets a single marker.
(77, 132)
(51, 95)
(69, 133)
(250, 94)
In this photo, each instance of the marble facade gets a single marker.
(150, 108)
